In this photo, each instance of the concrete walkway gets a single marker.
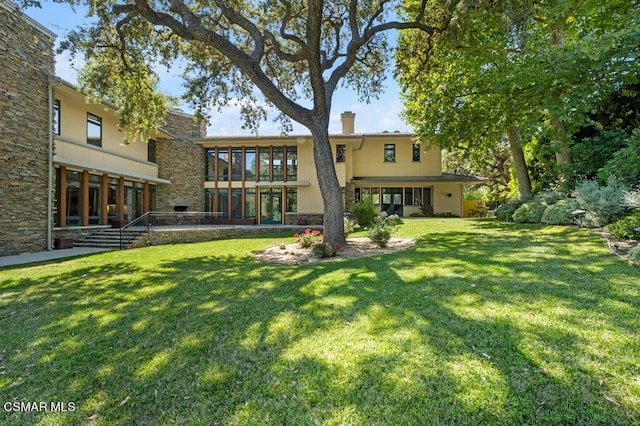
(42, 256)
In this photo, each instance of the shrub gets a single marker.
(349, 226)
(320, 249)
(505, 211)
(550, 197)
(632, 199)
(561, 213)
(384, 226)
(634, 254)
(603, 204)
(365, 213)
(427, 210)
(308, 237)
(530, 212)
(625, 228)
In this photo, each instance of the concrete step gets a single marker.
(108, 238)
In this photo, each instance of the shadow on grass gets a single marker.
(470, 326)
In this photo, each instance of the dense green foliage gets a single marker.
(529, 212)
(480, 322)
(364, 212)
(562, 212)
(626, 228)
(603, 203)
(383, 228)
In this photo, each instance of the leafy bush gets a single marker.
(349, 226)
(384, 226)
(632, 199)
(625, 228)
(505, 211)
(634, 254)
(561, 213)
(324, 250)
(625, 164)
(603, 204)
(365, 213)
(427, 210)
(550, 197)
(530, 212)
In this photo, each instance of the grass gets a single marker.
(480, 323)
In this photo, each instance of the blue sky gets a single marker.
(378, 116)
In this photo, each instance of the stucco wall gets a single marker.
(26, 61)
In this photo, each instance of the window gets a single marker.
(56, 117)
(210, 165)
(416, 152)
(151, 151)
(341, 153)
(265, 160)
(408, 196)
(250, 164)
(94, 130)
(236, 164)
(223, 203)
(389, 153)
(236, 202)
(223, 164)
(292, 163)
(292, 199)
(95, 199)
(278, 163)
(113, 186)
(250, 203)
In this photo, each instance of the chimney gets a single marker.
(348, 119)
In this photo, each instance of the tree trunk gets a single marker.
(329, 186)
(560, 143)
(522, 172)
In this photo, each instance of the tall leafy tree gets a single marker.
(541, 64)
(297, 53)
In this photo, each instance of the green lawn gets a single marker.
(479, 323)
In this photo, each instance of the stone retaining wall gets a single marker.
(177, 236)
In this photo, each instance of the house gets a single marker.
(65, 171)
(272, 179)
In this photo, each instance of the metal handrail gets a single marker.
(157, 220)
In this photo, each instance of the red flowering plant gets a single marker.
(308, 237)
(325, 250)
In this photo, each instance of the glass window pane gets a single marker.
(416, 152)
(236, 164)
(292, 199)
(56, 117)
(73, 198)
(112, 208)
(95, 199)
(250, 204)
(236, 202)
(417, 196)
(389, 153)
(94, 130)
(223, 164)
(341, 153)
(278, 163)
(265, 160)
(250, 164)
(408, 196)
(151, 151)
(223, 202)
(375, 196)
(292, 163)
(210, 165)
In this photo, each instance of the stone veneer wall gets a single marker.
(182, 162)
(26, 62)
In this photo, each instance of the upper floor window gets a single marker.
(341, 153)
(56, 117)
(292, 163)
(94, 130)
(389, 152)
(416, 152)
(151, 151)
